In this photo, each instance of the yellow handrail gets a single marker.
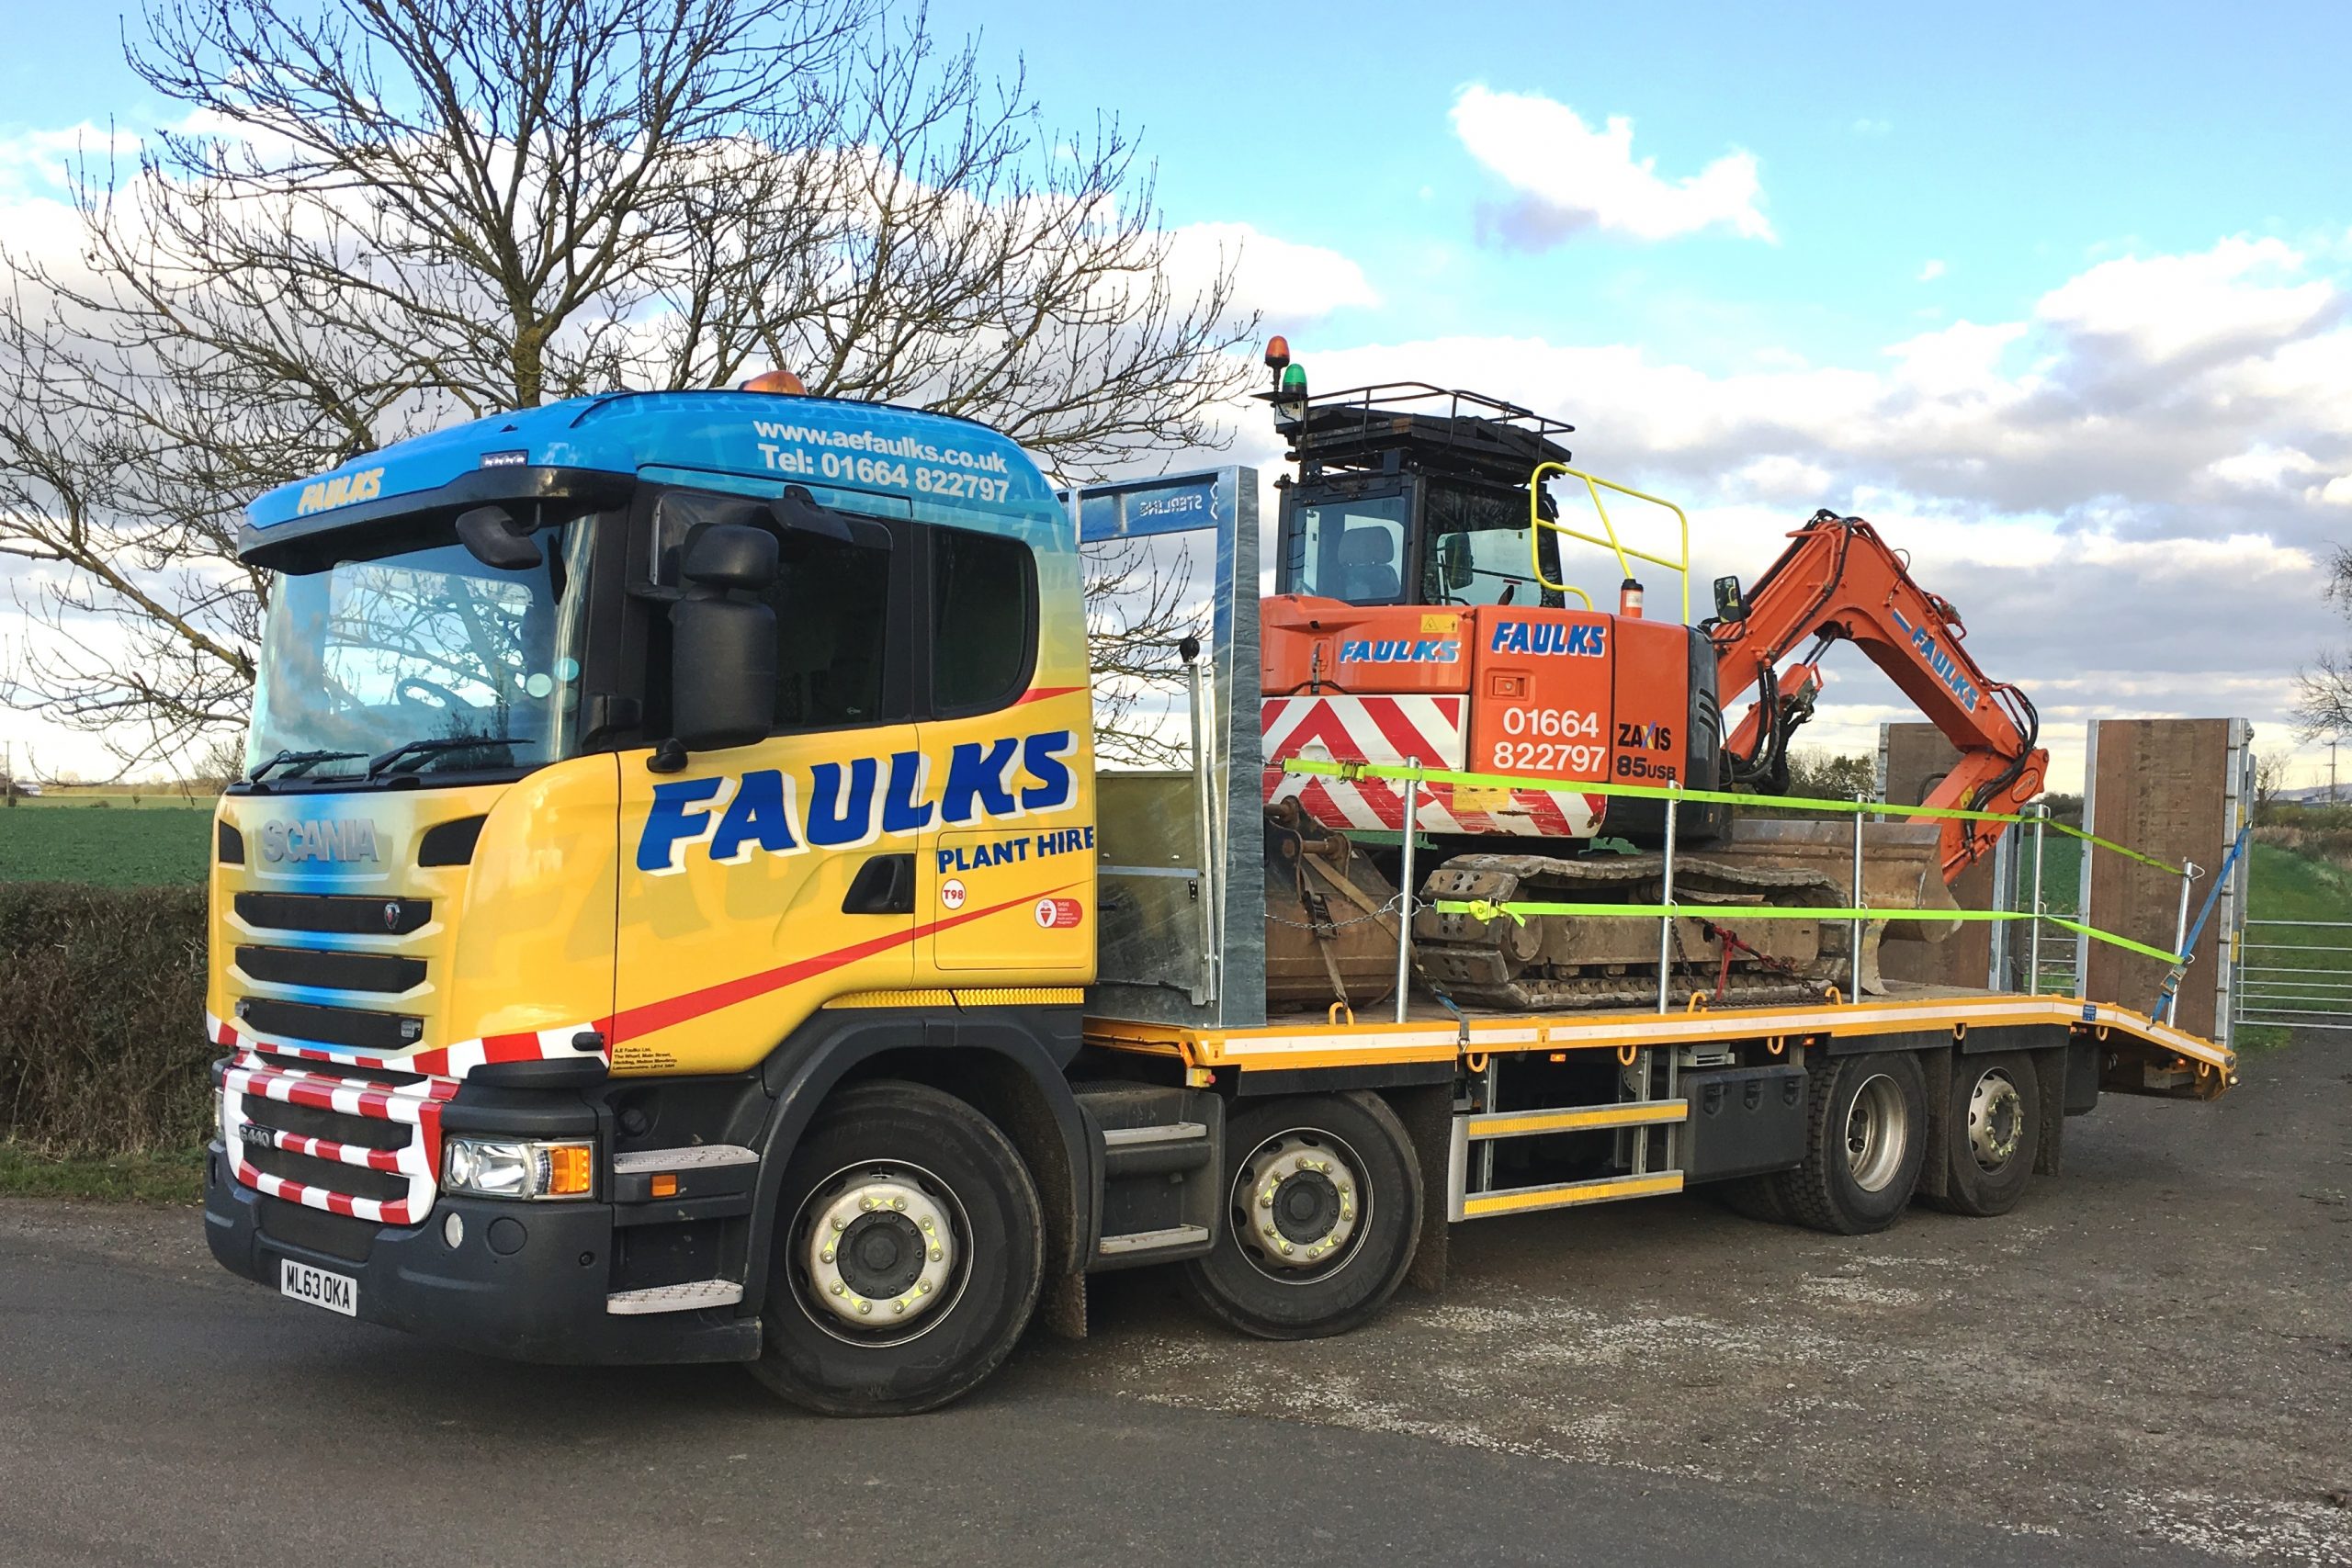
(1593, 484)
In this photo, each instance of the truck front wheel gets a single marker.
(1323, 1212)
(908, 1255)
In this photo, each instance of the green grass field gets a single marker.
(114, 845)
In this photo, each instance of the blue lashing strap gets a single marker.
(2169, 991)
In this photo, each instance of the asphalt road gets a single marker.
(1662, 1384)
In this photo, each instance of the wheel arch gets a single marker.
(1006, 1063)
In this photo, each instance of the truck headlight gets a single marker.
(518, 1167)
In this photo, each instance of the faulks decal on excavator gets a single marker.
(1937, 661)
(1584, 642)
(1400, 650)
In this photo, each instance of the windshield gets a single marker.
(426, 647)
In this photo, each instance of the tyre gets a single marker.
(1866, 1140)
(1751, 1197)
(1323, 1212)
(908, 1251)
(1993, 1125)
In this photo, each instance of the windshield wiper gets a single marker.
(377, 764)
(300, 761)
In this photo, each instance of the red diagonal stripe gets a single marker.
(645, 1020)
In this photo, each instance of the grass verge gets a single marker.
(174, 1176)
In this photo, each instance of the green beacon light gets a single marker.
(1294, 380)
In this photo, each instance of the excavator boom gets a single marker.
(1838, 581)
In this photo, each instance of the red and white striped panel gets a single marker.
(416, 1106)
(444, 1062)
(1395, 730)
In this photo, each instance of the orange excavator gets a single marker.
(1422, 616)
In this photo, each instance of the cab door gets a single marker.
(1006, 881)
(761, 882)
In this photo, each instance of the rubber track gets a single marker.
(1550, 879)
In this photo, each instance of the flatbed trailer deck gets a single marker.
(2079, 1047)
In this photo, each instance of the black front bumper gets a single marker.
(540, 1300)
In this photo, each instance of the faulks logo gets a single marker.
(1946, 668)
(325, 495)
(1580, 641)
(1400, 650)
(856, 802)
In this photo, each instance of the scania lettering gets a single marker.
(674, 911)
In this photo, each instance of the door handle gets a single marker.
(885, 885)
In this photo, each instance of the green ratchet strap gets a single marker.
(1734, 915)
(1658, 792)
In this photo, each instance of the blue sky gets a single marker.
(2013, 142)
(2056, 294)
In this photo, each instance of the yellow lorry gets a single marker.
(675, 913)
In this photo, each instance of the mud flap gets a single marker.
(1428, 1115)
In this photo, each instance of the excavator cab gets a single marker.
(1422, 613)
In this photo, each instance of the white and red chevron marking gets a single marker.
(417, 1106)
(445, 1061)
(1394, 732)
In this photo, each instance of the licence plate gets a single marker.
(336, 1292)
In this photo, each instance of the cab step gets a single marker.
(691, 1296)
(1162, 1161)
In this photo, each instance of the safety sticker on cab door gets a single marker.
(1059, 913)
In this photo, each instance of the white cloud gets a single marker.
(1288, 281)
(2156, 309)
(1570, 178)
(1933, 270)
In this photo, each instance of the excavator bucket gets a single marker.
(1902, 869)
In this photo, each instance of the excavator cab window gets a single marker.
(1475, 547)
(1350, 548)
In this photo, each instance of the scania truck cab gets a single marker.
(626, 775)
(672, 913)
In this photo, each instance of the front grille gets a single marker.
(309, 1122)
(357, 1181)
(357, 1146)
(378, 972)
(354, 1027)
(341, 913)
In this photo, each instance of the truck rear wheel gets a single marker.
(908, 1255)
(1865, 1145)
(1992, 1124)
(1323, 1212)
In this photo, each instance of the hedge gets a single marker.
(101, 1048)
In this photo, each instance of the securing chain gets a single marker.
(1391, 907)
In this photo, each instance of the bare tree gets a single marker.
(1141, 607)
(388, 213)
(2269, 780)
(2323, 694)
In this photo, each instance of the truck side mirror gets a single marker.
(492, 536)
(722, 640)
(1729, 604)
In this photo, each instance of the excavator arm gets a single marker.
(1837, 581)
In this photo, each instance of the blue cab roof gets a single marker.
(872, 457)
